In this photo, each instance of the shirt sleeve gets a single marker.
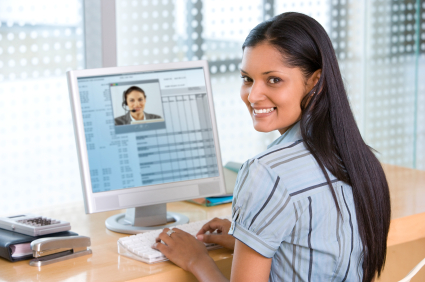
(262, 212)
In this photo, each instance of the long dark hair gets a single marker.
(329, 129)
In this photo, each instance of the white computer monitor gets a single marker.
(146, 135)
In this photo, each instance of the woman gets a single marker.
(135, 99)
(315, 205)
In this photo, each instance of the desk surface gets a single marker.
(408, 211)
(105, 264)
(407, 190)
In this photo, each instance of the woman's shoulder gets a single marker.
(152, 116)
(278, 158)
(281, 150)
(296, 167)
(124, 119)
(272, 171)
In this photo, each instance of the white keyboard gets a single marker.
(139, 246)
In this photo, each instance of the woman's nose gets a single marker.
(256, 93)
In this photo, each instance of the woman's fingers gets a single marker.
(225, 240)
(222, 238)
(161, 247)
(212, 238)
(206, 227)
(212, 225)
(181, 247)
(163, 236)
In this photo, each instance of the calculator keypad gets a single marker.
(38, 221)
(33, 225)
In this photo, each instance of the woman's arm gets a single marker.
(248, 265)
(191, 255)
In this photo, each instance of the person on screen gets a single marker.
(135, 99)
(314, 206)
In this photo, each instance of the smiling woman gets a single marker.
(135, 99)
(271, 90)
(315, 205)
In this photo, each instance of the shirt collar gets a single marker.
(144, 117)
(291, 135)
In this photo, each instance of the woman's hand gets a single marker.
(222, 238)
(182, 249)
(188, 253)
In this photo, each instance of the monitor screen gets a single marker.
(147, 128)
(146, 135)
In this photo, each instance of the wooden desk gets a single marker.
(105, 264)
(406, 239)
(407, 191)
(408, 225)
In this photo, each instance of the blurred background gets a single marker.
(380, 46)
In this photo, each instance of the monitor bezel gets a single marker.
(89, 195)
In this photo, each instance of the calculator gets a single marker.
(33, 225)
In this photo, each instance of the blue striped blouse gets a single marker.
(283, 209)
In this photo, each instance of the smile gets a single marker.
(263, 111)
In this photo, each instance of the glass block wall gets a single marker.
(391, 73)
(380, 46)
(212, 30)
(39, 42)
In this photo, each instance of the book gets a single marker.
(20, 250)
(233, 166)
(212, 201)
(15, 246)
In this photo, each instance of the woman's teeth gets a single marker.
(263, 111)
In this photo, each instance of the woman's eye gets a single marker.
(274, 80)
(246, 79)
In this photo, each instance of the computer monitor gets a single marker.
(146, 135)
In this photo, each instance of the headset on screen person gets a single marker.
(128, 91)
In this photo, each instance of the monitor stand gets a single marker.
(143, 219)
